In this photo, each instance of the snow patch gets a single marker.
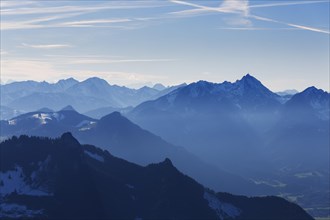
(94, 156)
(12, 210)
(42, 117)
(273, 183)
(222, 209)
(84, 129)
(83, 123)
(14, 181)
(12, 122)
(58, 116)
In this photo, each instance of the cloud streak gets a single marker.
(256, 29)
(75, 8)
(301, 27)
(243, 8)
(89, 23)
(57, 13)
(10, 4)
(287, 4)
(234, 6)
(111, 61)
(46, 46)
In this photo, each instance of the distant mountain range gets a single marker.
(45, 178)
(127, 140)
(88, 95)
(234, 136)
(207, 117)
(251, 131)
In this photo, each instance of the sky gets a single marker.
(284, 44)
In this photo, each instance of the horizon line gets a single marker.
(152, 84)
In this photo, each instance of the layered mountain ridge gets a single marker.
(85, 182)
(239, 136)
(90, 94)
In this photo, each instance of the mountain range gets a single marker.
(238, 137)
(44, 178)
(124, 139)
(91, 94)
(250, 131)
(213, 114)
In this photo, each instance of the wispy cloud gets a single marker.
(10, 4)
(89, 23)
(75, 8)
(278, 4)
(46, 46)
(34, 16)
(307, 28)
(234, 6)
(256, 29)
(243, 8)
(34, 23)
(111, 61)
(40, 23)
(237, 7)
(85, 59)
(301, 27)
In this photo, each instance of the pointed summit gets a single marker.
(68, 139)
(167, 162)
(112, 116)
(114, 120)
(249, 79)
(68, 108)
(252, 86)
(248, 76)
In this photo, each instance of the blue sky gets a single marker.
(285, 44)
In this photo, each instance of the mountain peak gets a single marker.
(201, 84)
(249, 78)
(71, 79)
(113, 118)
(165, 165)
(248, 75)
(68, 108)
(167, 162)
(95, 80)
(68, 139)
(114, 114)
(249, 83)
(159, 87)
(312, 89)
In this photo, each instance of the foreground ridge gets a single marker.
(40, 176)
